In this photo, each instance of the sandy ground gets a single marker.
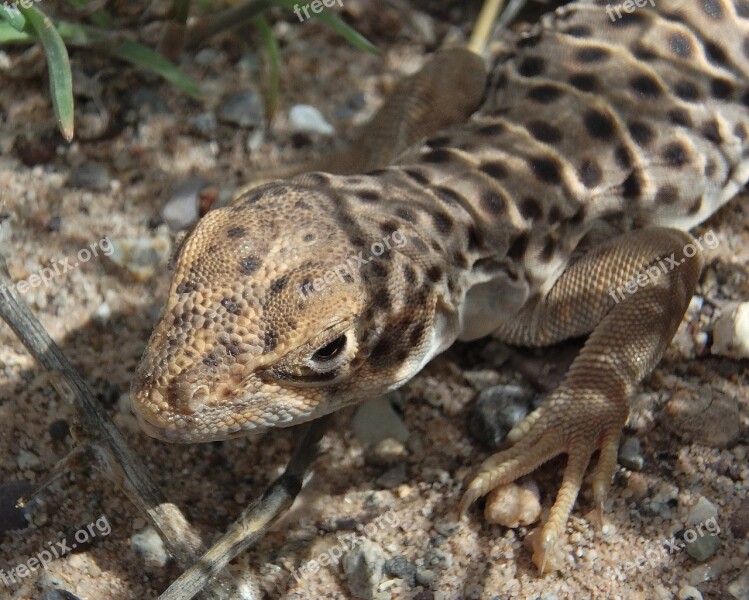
(690, 417)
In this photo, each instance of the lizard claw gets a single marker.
(576, 424)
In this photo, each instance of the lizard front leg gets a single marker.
(630, 332)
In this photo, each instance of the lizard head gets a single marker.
(283, 308)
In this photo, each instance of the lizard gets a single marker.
(595, 144)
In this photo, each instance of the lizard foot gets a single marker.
(572, 423)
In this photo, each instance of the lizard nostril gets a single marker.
(183, 397)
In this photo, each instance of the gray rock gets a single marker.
(376, 420)
(739, 587)
(400, 566)
(307, 119)
(393, 477)
(702, 547)
(630, 454)
(181, 211)
(27, 460)
(150, 547)
(90, 176)
(497, 410)
(204, 123)
(146, 102)
(243, 108)
(363, 566)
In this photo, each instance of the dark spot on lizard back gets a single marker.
(544, 94)
(579, 31)
(584, 82)
(234, 233)
(681, 45)
(545, 132)
(494, 169)
(598, 124)
(530, 208)
(270, 341)
(442, 222)
(592, 54)
(721, 88)
(641, 133)
(632, 186)
(679, 116)
(667, 194)
(249, 264)
(518, 247)
(686, 90)
(713, 9)
(711, 131)
(368, 195)
(646, 86)
(278, 285)
(675, 155)
(438, 156)
(715, 53)
(492, 202)
(417, 176)
(623, 157)
(546, 169)
(531, 66)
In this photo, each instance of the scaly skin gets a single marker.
(597, 145)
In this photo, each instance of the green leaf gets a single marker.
(9, 35)
(11, 14)
(352, 36)
(58, 65)
(142, 56)
(272, 48)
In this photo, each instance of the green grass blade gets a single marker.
(352, 36)
(142, 56)
(58, 65)
(9, 35)
(12, 16)
(271, 46)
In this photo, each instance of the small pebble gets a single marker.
(689, 593)
(243, 108)
(181, 211)
(438, 559)
(59, 430)
(204, 123)
(150, 547)
(363, 566)
(400, 566)
(142, 257)
(512, 505)
(394, 477)
(308, 119)
(103, 313)
(702, 511)
(386, 453)
(702, 547)
(731, 331)
(739, 586)
(630, 455)
(27, 460)
(497, 410)
(376, 420)
(425, 576)
(90, 176)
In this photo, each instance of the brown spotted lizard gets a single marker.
(594, 143)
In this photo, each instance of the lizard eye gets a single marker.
(330, 350)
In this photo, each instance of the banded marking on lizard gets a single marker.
(597, 145)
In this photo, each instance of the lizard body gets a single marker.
(597, 144)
